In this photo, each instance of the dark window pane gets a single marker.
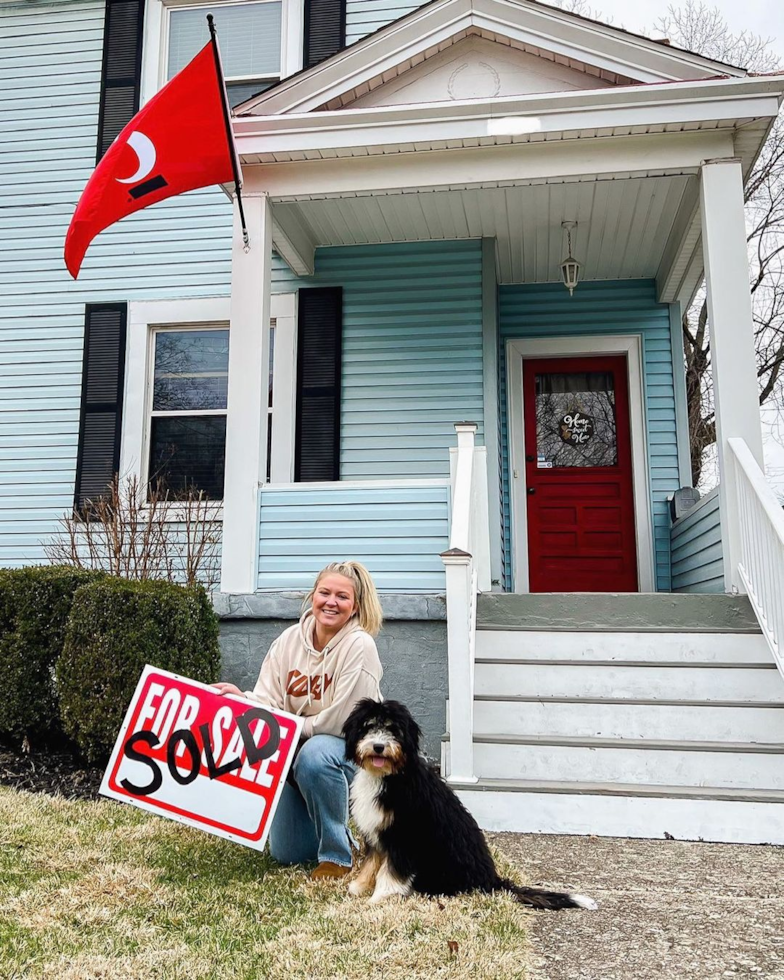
(239, 92)
(189, 453)
(575, 419)
(191, 370)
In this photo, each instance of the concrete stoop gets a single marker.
(639, 716)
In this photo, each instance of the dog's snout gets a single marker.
(378, 748)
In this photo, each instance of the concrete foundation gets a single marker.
(413, 655)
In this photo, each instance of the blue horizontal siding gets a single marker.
(412, 353)
(366, 16)
(602, 308)
(49, 99)
(697, 554)
(398, 532)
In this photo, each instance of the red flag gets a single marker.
(176, 143)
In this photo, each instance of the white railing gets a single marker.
(761, 558)
(467, 567)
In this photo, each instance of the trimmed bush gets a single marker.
(115, 628)
(34, 607)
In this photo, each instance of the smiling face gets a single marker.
(334, 603)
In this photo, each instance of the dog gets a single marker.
(418, 835)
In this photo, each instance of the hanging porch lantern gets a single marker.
(570, 267)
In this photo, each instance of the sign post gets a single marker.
(218, 763)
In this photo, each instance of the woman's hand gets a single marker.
(224, 689)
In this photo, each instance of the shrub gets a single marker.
(115, 628)
(34, 607)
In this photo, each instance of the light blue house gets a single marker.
(452, 351)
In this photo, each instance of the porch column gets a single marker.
(246, 422)
(735, 391)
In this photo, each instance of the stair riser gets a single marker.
(673, 647)
(667, 683)
(651, 721)
(651, 767)
(627, 816)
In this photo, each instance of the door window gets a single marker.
(575, 419)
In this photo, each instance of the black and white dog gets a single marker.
(418, 835)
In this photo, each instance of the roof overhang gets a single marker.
(669, 107)
(526, 23)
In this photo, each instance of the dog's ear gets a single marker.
(353, 725)
(409, 729)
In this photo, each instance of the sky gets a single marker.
(763, 17)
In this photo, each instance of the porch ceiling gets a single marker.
(623, 224)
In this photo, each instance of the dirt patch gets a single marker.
(55, 773)
(668, 910)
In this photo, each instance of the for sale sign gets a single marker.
(213, 762)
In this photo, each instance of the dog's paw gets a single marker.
(357, 889)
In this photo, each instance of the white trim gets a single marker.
(146, 317)
(516, 351)
(156, 40)
(555, 161)
(284, 387)
(353, 485)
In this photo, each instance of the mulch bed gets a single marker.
(55, 773)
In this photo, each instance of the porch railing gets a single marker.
(761, 562)
(467, 566)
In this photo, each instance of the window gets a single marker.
(188, 418)
(249, 34)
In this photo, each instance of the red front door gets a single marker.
(578, 475)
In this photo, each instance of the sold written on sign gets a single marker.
(213, 762)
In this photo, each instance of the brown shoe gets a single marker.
(328, 869)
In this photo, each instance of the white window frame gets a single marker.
(147, 318)
(156, 38)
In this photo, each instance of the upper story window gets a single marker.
(250, 37)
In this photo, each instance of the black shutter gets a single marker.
(122, 69)
(317, 453)
(103, 370)
(325, 29)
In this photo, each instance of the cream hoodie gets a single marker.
(323, 686)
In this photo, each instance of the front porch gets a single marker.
(422, 240)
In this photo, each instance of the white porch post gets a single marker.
(735, 391)
(246, 423)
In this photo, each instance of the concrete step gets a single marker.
(728, 721)
(648, 762)
(623, 647)
(670, 682)
(620, 810)
(638, 612)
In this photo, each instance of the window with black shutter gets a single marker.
(325, 29)
(121, 71)
(103, 370)
(319, 333)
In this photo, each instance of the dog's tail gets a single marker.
(540, 898)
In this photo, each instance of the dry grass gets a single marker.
(102, 891)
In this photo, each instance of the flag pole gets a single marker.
(229, 135)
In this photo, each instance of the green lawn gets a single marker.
(102, 891)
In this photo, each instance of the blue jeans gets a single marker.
(311, 822)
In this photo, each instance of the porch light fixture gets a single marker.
(570, 267)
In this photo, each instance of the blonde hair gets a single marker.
(368, 612)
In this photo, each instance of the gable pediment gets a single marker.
(478, 68)
(457, 49)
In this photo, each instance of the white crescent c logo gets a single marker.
(144, 149)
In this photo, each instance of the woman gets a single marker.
(319, 668)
